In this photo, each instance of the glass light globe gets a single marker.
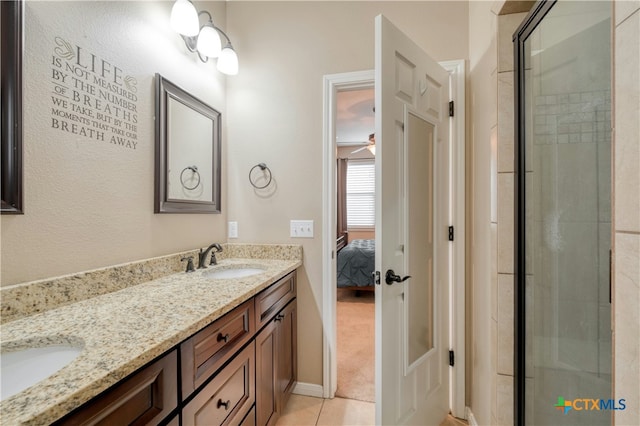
(209, 43)
(184, 18)
(228, 61)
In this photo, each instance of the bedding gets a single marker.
(356, 263)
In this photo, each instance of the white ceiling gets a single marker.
(355, 117)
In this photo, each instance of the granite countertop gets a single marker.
(124, 330)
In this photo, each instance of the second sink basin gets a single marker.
(27, 366)
(228, 273)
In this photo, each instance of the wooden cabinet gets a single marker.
(146, 397)
(228, 398)
(229, 375)
(255, 384)
(276, 364)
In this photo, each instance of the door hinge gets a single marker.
(451, 108)
(451, 231)
(451, 358)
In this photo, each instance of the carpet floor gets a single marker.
(356, 334)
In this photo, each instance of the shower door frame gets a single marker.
(529, 24)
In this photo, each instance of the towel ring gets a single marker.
(262, 167)
(194, 169)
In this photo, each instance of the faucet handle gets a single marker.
(190, 267)
(213, 261)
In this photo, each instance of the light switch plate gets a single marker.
(302, 229)
(233, 230)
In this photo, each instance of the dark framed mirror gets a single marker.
(11, 13)
(187, 178)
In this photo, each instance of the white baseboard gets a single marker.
(308, 389)
(470, 417)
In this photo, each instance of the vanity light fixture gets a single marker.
(205, 40)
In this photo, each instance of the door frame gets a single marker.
(332, 83)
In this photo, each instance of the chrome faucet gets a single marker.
(202, 255)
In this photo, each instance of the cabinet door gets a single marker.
(250, 419)
(276, 365)
(287, 361)
(266, 387)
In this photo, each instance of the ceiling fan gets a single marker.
(371, 146)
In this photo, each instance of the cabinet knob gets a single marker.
(224, 404)
(279, 317)
(224, 337)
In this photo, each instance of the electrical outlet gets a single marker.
(302, 229)
(233, 230)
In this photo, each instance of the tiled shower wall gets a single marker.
(626, 184)
(571, 179)
(573, 118)
(503, 278)
(568, 317)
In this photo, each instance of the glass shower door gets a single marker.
(566, 210)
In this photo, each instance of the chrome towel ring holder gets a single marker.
(195, 174)
(253, 181)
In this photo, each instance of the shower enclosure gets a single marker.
(563, 234)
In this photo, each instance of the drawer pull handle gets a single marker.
(279, 317)
(224, 404)
(224, 338)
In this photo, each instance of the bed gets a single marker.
(356, 263)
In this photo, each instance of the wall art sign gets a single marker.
(92, 97)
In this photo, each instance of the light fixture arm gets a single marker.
(207, 12)
(224, 34)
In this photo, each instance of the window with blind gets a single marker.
(361, 194)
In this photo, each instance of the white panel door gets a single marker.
(412, 211)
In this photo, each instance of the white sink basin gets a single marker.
(26, 367)
(228, 273)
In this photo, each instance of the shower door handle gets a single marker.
(391, 277)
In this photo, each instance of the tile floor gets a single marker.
(309, 411)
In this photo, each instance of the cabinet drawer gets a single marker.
(228, 397)
(209, 349)
(146, 397)
(274, 298)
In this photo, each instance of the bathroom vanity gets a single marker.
(181, 349)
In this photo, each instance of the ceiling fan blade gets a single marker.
(359, 149)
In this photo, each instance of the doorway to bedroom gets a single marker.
(355, 241)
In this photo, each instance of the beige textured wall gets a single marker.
(481, 158)
(89, 204)
(626, 186)
(275, 116)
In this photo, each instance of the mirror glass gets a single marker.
(420, 302)
(187, 152)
